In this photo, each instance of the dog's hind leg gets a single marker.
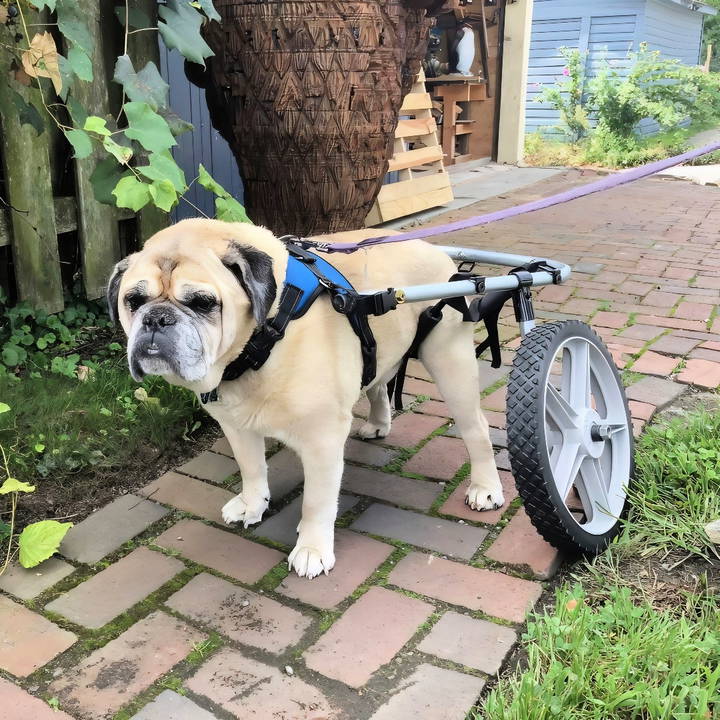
(449, 354)
(249, 450)
(321, 453)
(378, 424)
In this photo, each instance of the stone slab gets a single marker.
(108, 528)
(366, 453)
(491, 592)
(168, 705)
(520, 544)
(225, 552)
(114, 674)
(16, 704)
(467, 641)
(251, 690)
(455, 504)
(244, 616)
(417, 494)
(370, 633)
(27, 583)
(356, 558)
(433, 693)
(27, 640)
(193, 496)
(285, 473)
(655, 391)
(210, 466)
(282, 527)
(433, 533)
(104, 596)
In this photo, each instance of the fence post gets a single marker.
(97, 223)
(143, 48)
(28, 184)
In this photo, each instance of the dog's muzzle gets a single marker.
(164, 341)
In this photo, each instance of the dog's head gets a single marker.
(191, 298)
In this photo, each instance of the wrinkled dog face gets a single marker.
(181, 313)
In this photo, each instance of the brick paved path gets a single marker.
(159, 611)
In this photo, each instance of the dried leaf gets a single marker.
(41, 59)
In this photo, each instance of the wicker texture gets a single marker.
(308, 95)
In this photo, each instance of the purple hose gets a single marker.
(607, 183)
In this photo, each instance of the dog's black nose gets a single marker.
(159, 318)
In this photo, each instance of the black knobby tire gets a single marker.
(526, 437)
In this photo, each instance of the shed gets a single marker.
(609, 30)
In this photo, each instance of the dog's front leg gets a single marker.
(249, 450)
(322, 459)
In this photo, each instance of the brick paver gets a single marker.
(652, 363)
(432, 692)
(656, 391)
(367, 636)
(455, 505)
(223, 551)
(27, 583)
(185, 493)
(520, 544)
(282, 527)
(368, 453)
(27, 640)
(112, 675)
(16, 704)
(168, 705)
(417, 494)
(441, 458)
(433, 533)
(356, 557)
(242, 615)
(210, 466)
(108, 528)
(701, 372)
(477, 644)
(104, 596)
(409, 429)
(251, 690)
(491, 592)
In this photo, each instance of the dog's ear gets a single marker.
(113, 289)
(254, 271)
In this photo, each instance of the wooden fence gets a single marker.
(46, 193)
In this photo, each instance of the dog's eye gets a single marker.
(201, 303)
(135, 301)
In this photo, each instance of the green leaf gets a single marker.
(40, 4)
(147, 127)
(28, 113)
(40, 540)
(80, 63)
(96, 124)
(209, 10)
(131, 193)
(77, 111)
(5, 530)
(13, 485)
(209, 183)
(176, 124)
(104, 180)
(73, 25)
(13, 355)
(39, 447)
(163, 167)
(4, 407)
(230, 210)
(181, 30)
(81, 143)
(120, 152)
(146, 86)
(163, 194)
(66, 76)
(138, 18)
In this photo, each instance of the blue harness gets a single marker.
(307, 277)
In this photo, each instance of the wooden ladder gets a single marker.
(423, 182)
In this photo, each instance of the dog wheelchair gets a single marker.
(570, 435)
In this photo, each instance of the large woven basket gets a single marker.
(308, 94)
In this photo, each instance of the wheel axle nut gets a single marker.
(600, 432)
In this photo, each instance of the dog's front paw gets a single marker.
(480, 497)
(371, 431)
(310, 562)
(240, 510)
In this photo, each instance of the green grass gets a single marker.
(677, 490)
(619, 658)
(59, 426)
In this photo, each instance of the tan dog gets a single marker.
(190, 300)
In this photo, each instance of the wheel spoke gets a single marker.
(559, 409)
(566, 466)
(578, 390)
(592, 478)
